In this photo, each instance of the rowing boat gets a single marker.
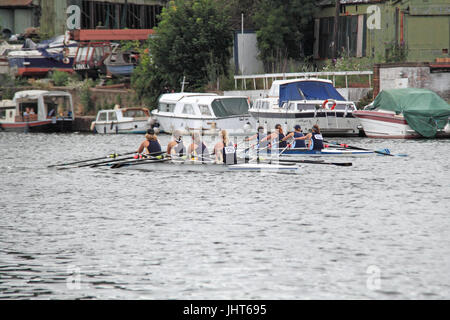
(328, 152)
(198, 166)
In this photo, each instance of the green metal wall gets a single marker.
(426, 27)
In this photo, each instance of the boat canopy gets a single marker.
(308, 90)
(423, 110)
(226, 107)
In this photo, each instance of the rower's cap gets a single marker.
(150, 131)
(297, 127)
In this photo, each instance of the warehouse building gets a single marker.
(375, 28)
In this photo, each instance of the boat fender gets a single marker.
(66, 60)
(324, 104)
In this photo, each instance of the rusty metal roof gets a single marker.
(15, 3)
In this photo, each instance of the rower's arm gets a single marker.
(290, 135)
(251, 138)
(141, 147)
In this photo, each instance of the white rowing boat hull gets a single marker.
(327, 152)
(199, 167)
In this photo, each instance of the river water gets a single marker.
(377, 230)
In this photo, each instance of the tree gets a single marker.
(285, 29)
(193, 39)
(147, 81)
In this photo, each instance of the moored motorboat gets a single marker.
(206, 112)
(306, 102)
(38, 111)
(406, 114)
(122, 120)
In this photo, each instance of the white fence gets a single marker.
(306, 75)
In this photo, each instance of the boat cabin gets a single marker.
(40, 105)
(122, 120)
(125, 114)
(168, 101)
(212, 106)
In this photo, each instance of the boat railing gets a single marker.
(306, 75)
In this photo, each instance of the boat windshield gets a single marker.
(135, 114)
(166, 107)
(226, 107)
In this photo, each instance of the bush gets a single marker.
(60, 78)
(85, 96)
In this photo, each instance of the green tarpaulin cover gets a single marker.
(423, 109)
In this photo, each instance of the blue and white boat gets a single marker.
(39, 59)
(306, 102)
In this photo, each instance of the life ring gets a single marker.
(324, 104)
(66, 60)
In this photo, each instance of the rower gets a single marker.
(224, 149)
(197, 149)
(176, 146)
(298, 143)
(277, 138)
(315, 139)
(151, 144)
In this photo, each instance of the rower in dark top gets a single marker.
(298, 143)
(315, 139)
(276, 138)
(224, 149)
(151, 144)
(197, 149)
(176, 146)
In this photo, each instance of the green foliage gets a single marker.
(193, 39)
(349, 64)
(60, 78)
(85, 96)
(367, 99)
(282, 26)
(131, 45)
(395, 52)
(147, 81)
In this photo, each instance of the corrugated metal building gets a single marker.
(17, 15)
(51, 15)
(373, 27)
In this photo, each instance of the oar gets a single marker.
(103, 163)
(385, 152)
(113, 155)
(341, 164)
(127, 163)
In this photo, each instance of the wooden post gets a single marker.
(336, 28)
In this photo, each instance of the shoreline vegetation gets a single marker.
(184, 28)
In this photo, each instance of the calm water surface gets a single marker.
(377, 230)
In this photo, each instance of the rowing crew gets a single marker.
(224, 150)
(315, 139)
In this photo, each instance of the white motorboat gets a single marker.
(122, 120)
(209, 113)
(306, 102)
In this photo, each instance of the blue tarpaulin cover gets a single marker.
(308, 90)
